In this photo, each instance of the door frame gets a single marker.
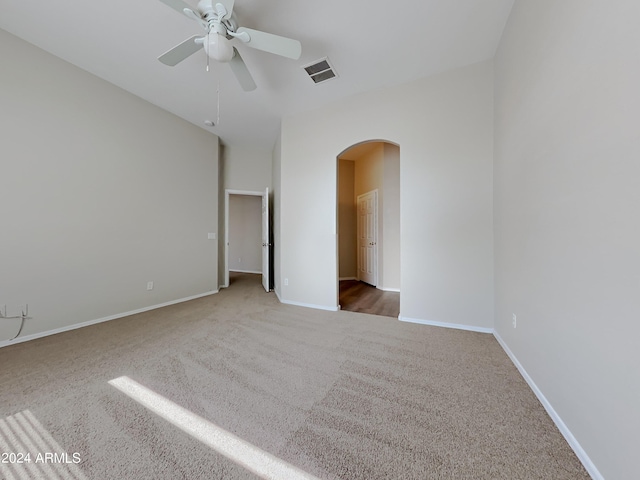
(227, 194)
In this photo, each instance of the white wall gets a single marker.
(101, 193)
(444, 126)
(567, 216)
(245, 233)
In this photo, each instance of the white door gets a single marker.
(265, 240)
(367, 231)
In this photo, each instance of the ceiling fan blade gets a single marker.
(228, 5)
(241, 72)
(180, 52)
(196, 16)
(177, 5)
(271, 43)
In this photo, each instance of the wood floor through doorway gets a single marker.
(356, 296)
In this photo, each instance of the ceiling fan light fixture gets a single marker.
(216, 17)
(218, 47)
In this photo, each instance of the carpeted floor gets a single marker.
(334, 395)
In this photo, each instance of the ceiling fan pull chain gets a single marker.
(207, 53)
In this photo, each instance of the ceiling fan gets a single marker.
(218, 21)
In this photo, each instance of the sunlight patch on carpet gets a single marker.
(29, 451)
(234, 448)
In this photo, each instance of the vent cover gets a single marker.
(320, 70)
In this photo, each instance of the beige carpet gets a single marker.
(336, 395)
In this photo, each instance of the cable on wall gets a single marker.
(24, 316)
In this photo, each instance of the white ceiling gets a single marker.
(371, 44)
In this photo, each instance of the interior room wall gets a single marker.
(245, 233)
(101, 193)
(391, 218)
(368, 177)
(444, 127)
(221, 219)
(369, 171)
(245, 169)
(567, 227)
(275, 210)
(377, 167)
(346, 220)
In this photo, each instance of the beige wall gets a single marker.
(347, 219)
(377, 167)
(391, 218)
(369, 171)
(444, 127)
(101, 193)
(245, 233)
(567, 222)
(369, 177)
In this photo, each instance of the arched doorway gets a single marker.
(368, 226)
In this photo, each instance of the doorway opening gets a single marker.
(368, 226)
(247, 245)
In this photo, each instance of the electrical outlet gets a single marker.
(286, 282)
(514, 320)
(149, 285)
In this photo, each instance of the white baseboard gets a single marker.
(397, 290)
(308, 305)
(347, 278)
(34, 336)
(571, 440)
(245, 271)
(457, 326)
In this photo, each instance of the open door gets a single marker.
(368, 237)
(265, 240)
(264, 236)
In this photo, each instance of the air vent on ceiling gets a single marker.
(320, 70)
